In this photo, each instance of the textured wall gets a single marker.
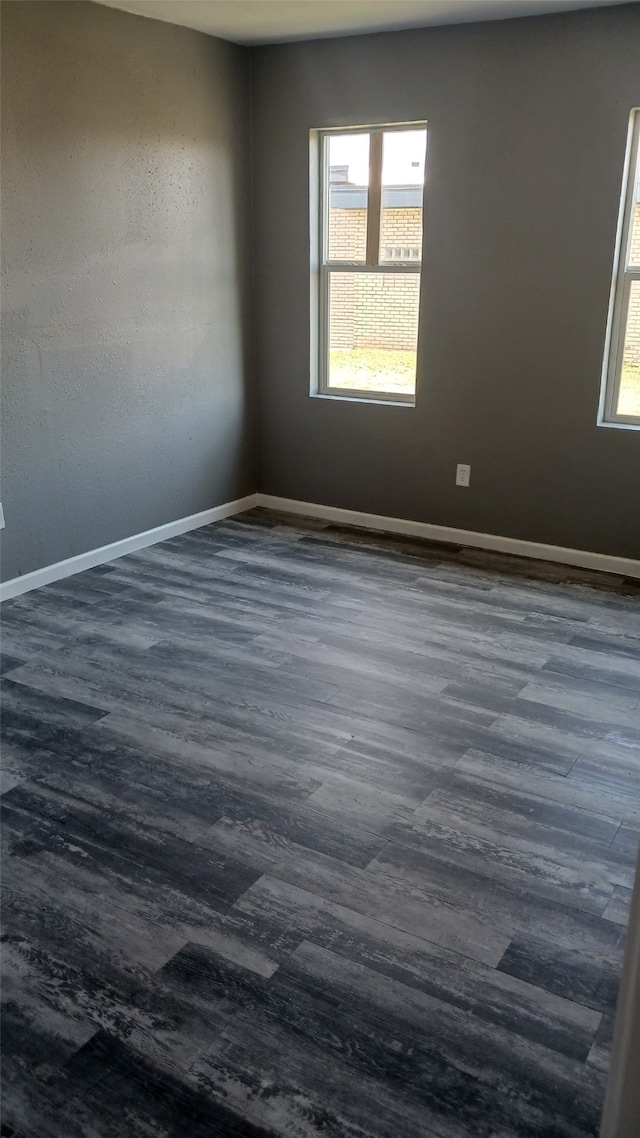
(527, 128)
(126, 394)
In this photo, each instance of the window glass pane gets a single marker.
(373, 331)
(629, 390)
(634, 236)
(403, 160)
(348, 171)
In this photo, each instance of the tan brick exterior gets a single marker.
(375, 311)
(347, 234)
(382, 312)
(632, 343)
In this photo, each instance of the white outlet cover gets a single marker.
(1, 517)
(463, 474)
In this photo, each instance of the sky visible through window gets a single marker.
(403, 157)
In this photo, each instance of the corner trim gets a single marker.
(583, 558)
(105, 553)
(622, 1099)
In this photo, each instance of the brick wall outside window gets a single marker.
(371, 310)
(632, 344)
(381, 312)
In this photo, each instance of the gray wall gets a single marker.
(127, 393)
(528, 122)
(126, 385)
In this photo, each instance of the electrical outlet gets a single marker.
(1, 517)
(463, 474)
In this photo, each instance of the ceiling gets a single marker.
(275, 21)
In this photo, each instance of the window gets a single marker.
(620, 400)
(366, 261)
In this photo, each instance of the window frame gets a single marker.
(322, 267)
(623, 276)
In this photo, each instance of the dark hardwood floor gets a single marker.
(316, 833)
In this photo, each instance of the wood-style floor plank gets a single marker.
(316, 831)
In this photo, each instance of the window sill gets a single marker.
(388, 401)
(618, 426)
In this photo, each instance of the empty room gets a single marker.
(320, 513)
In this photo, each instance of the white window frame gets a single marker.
(322, 267)
(623, 276)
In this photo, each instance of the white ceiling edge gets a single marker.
(253, 22)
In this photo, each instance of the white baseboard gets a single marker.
(584, 559)
(621, 566)
(71, 565)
